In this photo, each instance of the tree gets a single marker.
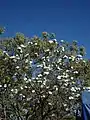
(40, 78)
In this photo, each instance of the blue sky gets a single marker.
(69, 19)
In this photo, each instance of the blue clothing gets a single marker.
(86, 105)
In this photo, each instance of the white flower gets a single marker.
(67, 109)
(23, 46)
(19, 48)
(26, 61)
(46, 73)
(17, 55)
(59, 60)
(73, 82)
(0, 85)
(33, 91)
(80, 56)
(25, 110)
(71, 98)
(43, 57)
(17, 67)
(5, 85)
(47, 58)
(18, 58)
(84, 88)
(47, 87)
(77, 88)
(39, 81)
(73, 89)
(25, 78)
(71, 67)
(31, 62)
(16, 91)
(21, 51)
(55, 86)
(45, 67)
(77, 95)
(76, 72)
(4, 51)
(47, 50)
(12, 90)
(21, 88)
(63, 49)
(25, 87)
(73, 93)
(49, 103)
(65, 84)
(65, 56)
(84, 61)
(64, 73)
(67, 70)
(27, 55)
(33, 78)
(56, 89)
(73, 58)
(56, 51)
(62, 40)
(35, 43)
(70, 58)
(12, 57)
(23, 96)
(29, 80)
(58, 68)
(14, 60)
(44, 82)
(30, 42)
(49, 68)
(26, 67)
(58, 77)
(65, 105)
(28, 99)
(72, 78)
(63, 87)
(44, 63)
(53, 115)
(50, 41)
(42, 86)
(40, 65)
(40, 75)
(43, 96)
(50, 92)
(36, 53)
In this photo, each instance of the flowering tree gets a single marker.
(40, 78)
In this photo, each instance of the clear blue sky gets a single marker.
(69, 19)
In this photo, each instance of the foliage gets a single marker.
(87, 74)
(2, 29)
(40, 78)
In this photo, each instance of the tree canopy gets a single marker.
(41, 78)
